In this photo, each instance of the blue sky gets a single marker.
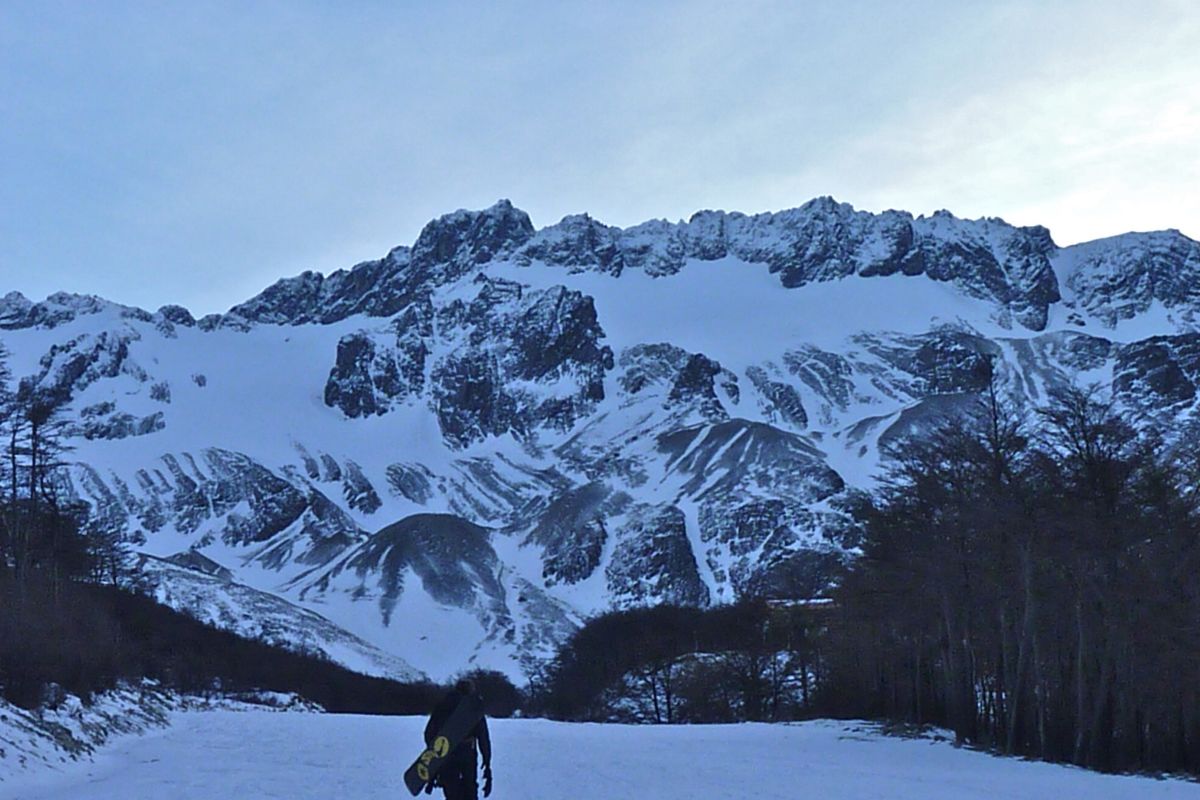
(196, 152)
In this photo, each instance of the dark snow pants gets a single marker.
(459, 776)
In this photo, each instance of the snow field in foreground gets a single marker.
(231, 755)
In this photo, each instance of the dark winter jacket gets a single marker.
(466, 749)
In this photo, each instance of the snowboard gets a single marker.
(458, 725)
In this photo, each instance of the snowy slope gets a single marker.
(217, 599)
(298, 756)
(453, 454)
(34, 742)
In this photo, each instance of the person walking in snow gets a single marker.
(458, 776)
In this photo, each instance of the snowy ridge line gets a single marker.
(820, 241)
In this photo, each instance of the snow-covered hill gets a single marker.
(255, 754)
(451, 455)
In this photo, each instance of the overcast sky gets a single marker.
(196, 152)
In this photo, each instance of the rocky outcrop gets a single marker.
(572, 530)
(648, 364)
(364, 379)
(940, 362)
(447, 248)
(225, 494)
(358, 491)
(519, 361)
(100, 422)
(1120, 277)
(1158, 374)
(70, 367)
(17, 311)
(828, 376)
(413, 482)
(452, 244)
(695, 384)
(781, 402)
(177, 315)
(653, 560)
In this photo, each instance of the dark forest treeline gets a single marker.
(751, 661)
(65, 622)
(87, 638)
(1031, 583)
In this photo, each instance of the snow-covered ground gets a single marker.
(250, 754)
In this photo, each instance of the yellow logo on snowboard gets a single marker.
(441, 747)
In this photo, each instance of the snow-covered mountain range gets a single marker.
(450, 456)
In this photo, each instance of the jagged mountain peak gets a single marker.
(1122, 277)
(18, 311)
(464, 238)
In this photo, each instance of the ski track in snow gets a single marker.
(251, 755)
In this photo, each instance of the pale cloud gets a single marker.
(1109, 143)
(195, 155)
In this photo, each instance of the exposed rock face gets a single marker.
(695, 384)
(572, 532)
(829, 377)
(17, 311)
(177, 315)
(521, 361)
(578, 243)
(518, 361)
(820, 241)
(1161, 373)
(376, 288)
(654, 558)
(358, 491)
(363, 381)
(119, 425)
(446, 249)
(71, 367)
(413, 482)
(452, 244)
(647, 364)
(940, 362)
(228, 495)
(1118, 278)
(780, 401)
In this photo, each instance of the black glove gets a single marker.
(487, 780)
(429, 786)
